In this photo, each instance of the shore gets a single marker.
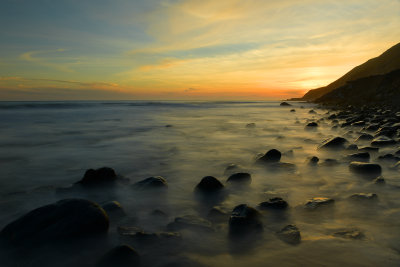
(91, 224)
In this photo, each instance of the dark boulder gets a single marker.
(361, 156)
(333, 143)
(363, 168)
(271, 156)
(364, 137)
(290, 234)
(312, 112)
(276, 203)
(318, 202)
(209, 184)
(389, 157)
(350, 234)
(313, 160)
(312, 124)
(64, 219)
(292, 110)
(244, 220)
(382, 141)
(352, 147)
(285, 104)
(156, 182)
(240, 177)
(251, 125)
(102, 176)
(379, 180)
(369, 149)
(120, 256)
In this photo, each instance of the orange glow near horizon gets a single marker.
(188, 49)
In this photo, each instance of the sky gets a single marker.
(186, 49)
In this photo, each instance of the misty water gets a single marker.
(50, 145)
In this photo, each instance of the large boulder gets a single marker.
(64, 219)
(240, 177)
(360, 156)
(209, 184)
(333, 143)
(244, 220)
(102, 176)
(285, 104)
(155, 182)
(272, 156)
(120, 256)
(382, 141)
(369, 169)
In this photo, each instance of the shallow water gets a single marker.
(45, 145)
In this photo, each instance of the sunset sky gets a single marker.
(186, 49)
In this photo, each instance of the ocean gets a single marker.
(50, 145)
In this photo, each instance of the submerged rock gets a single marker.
(64, 219)
(364, 196)
(369, 149)
(241, 177)
(330, 162)
(251, 125)
(292, 110)
(114, 208)
(333, 143)
(120, 256)
(271, 156)
(290, 234)
(389, 157)
(209, 184)
(244, 220)
(192, 222)
(350, 234)
(156, 182)
(317, 202)
(276, 203)
(352, 147)
(364, 137)
(313, 160)
(217, 214)
(379, 180)
(363, 168)
(285, 104)
(102, 176)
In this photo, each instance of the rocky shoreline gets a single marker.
(71, 225)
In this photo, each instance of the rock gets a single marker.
(209, 184)
(120, 256)
(146, 238)
(389, 157)
(240, 177)
(313, 160)
(361, 156)
(290, 234)
(372, 127)
(312, 124)
(191, 222)
(276, 203)
(232, 168)
(382, 141)
(282, 166)
(285, 104)
(292, 110)
(317, 202)
(369, 149)
(271, 156)
(159, 214)
(156, 182)
(114, 208)
(350, 234)
(365, 168)
(64, 219)
(363, 196)
(312, 112)
(102, 176)
(379, 180)
(244, 220)
(330, 162)
(397, 152)
(364, 137)
(216, 214)
(333, 143)
(251, 125)
(168, 126)
(352, 147)
(358, 123)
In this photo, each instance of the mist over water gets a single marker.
(47, 145)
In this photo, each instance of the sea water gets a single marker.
(48, 145)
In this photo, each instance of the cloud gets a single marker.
(33, 56)
(189, 90)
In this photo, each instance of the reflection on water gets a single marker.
(48, 145)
